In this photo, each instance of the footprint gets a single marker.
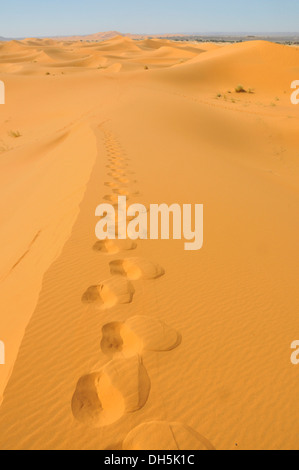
(110, 293)
(122, 192)
(113, 247)
(116, 156)
(122, 180)
(116, 174)
(119, 340)
(115, 160)
(103, 397)
(116, 165)
(131, 378)
(161, 435)
(136, 268)
(136, 335)
(155, 334)
(96, 402)
(117, 217)
(112, 198)
(110, 184)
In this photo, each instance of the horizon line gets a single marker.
(209, 33)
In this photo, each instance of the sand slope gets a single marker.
(109, 342)
(42, 186)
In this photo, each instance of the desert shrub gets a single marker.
(14, 134)
(240, 89)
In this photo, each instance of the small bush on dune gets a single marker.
(240, 89)
(14, 134)
(3, 147)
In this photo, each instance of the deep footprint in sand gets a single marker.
(115, 185)
(102, 398)
(115, 157)
(122, 192)
(112, 198)
(116, 174)
(138, 334)
(136, 268)
(162, 435)
(110, 184)
(122, 180)
(117, 166)
(113, 247)
(109, 293)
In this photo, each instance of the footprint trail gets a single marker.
(123, 386)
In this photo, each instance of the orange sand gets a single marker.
(171, 348)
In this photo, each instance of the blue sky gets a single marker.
(20, 18)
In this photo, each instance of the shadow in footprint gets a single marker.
(112, 198)
(122, 180)
(102, 398)
(113, 247)
(110, 184)
(109, 293)
(118, 339)
(136, 268)
(138, 334)
(96, 402)
(116, 446)
(122, 192)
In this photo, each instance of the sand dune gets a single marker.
(142, 345)
(119, 53)
(259, 65)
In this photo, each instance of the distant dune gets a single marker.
(110, 34)
(282, 38)
(141, 345)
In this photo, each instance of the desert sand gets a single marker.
(124, 345)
